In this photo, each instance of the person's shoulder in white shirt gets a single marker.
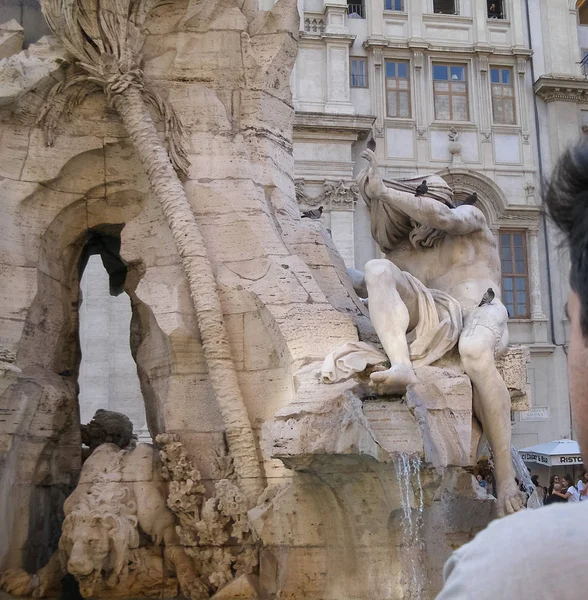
(574, 494)
(503, 560)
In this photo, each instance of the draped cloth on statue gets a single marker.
(437, 331)
(390, 226)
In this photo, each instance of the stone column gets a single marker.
(486, 105)
(522, 98)
(342, 199)
(534, 277)
(338, 89)
(379, 90)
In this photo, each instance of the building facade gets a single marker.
(485, 93)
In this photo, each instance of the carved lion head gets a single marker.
(98, 535)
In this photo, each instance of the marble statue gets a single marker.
(441, 259)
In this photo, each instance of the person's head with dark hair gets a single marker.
(535, 480)
(569, 479)
(566, 201)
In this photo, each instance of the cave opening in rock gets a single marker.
(108, 373)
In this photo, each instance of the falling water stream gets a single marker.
(408, 474)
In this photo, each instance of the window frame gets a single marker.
(364, 75)
(513, 275)
(502, 10)
(513, 98)
(397, 91)
(455, 9)
(582, 8)
(401, 9)
(450, 94)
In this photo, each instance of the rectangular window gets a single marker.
(445, 7)
(355, 10)
(503, 101)
(358, 72)
(582, 12)
(495, 9)
(515, 275)
(450, 92)
(397, 89)
(394, 5)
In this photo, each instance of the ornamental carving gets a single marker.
(336, 195)
(342, 194)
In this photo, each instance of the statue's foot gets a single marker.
(510, 498)
(392, 381)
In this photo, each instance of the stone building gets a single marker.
(487, 93)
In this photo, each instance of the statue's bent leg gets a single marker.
(482, 336)
(393, 311)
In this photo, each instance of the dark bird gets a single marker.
(470, 200)
(371, 145)
(313, 214)
(422, 189)
(487, 297)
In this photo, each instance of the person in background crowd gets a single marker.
(552, 481)
(508, 559)
(481, 481)
(569, 491)
(541, 491)
(582, 486)
(556, 495)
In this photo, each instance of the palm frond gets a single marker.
(173, 130)
(106, 38)
(61, 101)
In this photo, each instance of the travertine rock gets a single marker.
(21, 72)
(442, 405)
(513, 368)
(11, 38)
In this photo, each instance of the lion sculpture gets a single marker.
(116, 522)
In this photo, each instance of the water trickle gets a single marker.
(408, 474)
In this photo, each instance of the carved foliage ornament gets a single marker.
(340, 195)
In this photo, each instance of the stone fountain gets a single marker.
(288, 462)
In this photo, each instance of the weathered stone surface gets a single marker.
(11, 38)
(22, 72)
(442, 405)
(242, 588)
(513, 368)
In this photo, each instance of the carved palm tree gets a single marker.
(106, 39)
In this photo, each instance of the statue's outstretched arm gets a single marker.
(426, 211)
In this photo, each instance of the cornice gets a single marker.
(321, 36)
(419, 44)
(562, 88)
(358, 124)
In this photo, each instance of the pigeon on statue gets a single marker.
(470, 200)
(422, 189)
(313, 214)
(371, 145)
(487, 297)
